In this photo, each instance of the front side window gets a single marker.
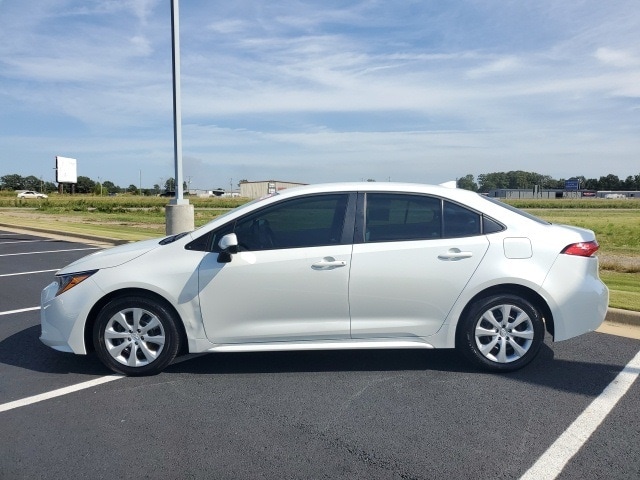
(301, 222)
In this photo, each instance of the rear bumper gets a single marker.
(577, 297)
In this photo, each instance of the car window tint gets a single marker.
(393, 217)
(489, 225)
(302, 222)
(460, 221)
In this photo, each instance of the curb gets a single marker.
(623, 317)
(614, 315)
(56, 233)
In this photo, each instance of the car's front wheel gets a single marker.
(135, 335)
(501, 333)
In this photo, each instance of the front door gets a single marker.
(288, 282)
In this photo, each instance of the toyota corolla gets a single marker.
(337, 266)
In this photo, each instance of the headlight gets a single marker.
(70, 280)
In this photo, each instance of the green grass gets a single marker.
(624, 289)
(617, 230)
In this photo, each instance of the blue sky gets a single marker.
(317, 91)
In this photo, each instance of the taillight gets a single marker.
(581, 249)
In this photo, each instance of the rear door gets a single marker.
(412, 257)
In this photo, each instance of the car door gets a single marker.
(410, 264)
(289, 280)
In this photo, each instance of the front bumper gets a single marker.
(62, 318)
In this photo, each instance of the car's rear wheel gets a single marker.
(135, 335)
(501, 333)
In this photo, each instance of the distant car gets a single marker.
(339, 266)
(32, 194)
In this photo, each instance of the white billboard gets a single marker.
(66, 170)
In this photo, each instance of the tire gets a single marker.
(501, 333)
(135, 335)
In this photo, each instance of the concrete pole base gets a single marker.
(180, 218)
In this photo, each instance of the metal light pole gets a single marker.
(179, 214)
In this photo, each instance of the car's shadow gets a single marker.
(24, 350)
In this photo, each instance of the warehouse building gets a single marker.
(265, 187)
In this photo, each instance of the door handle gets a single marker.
(455, 254)
(328, 263)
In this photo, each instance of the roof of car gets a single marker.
(379, 187)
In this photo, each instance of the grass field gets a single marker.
(615, 222)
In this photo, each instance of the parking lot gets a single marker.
(572, 413)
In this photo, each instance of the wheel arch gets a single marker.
(95, 310)
(512, 289)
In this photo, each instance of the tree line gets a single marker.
(528, 180)
(485, 183)
(84, 185)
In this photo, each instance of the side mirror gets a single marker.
(229, 245)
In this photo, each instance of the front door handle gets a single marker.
(328, 263)
(455, 254)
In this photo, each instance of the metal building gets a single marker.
(265, 187)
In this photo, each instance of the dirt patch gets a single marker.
(619, 263)
(46, 220)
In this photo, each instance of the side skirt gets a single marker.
(328, 345)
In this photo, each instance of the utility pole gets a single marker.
(179, 214)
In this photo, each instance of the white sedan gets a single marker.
(32, 194)
(338, 266)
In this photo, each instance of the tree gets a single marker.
(467, 183)
(109, 187)
(12, 182)
(169, 185)
(610, 182)
(32, 183)
(85, 185)
(132, 189)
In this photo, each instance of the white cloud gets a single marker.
(617, 58)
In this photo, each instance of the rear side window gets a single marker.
(391, 217)
(460, 221)
(394, 217)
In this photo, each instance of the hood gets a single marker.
(112, 257)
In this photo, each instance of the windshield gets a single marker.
(241, 207)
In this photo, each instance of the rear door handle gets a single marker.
(328, 263)
(455, 254)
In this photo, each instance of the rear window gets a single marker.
(516, 210)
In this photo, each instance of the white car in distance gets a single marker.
(32, 194)
(337, 266)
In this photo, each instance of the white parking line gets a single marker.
(79, 386)
(49, 251)
(28, 273)
(11, 312)
(57, 393)
(551, 463)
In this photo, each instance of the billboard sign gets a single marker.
(572, 184)
(66, 170)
